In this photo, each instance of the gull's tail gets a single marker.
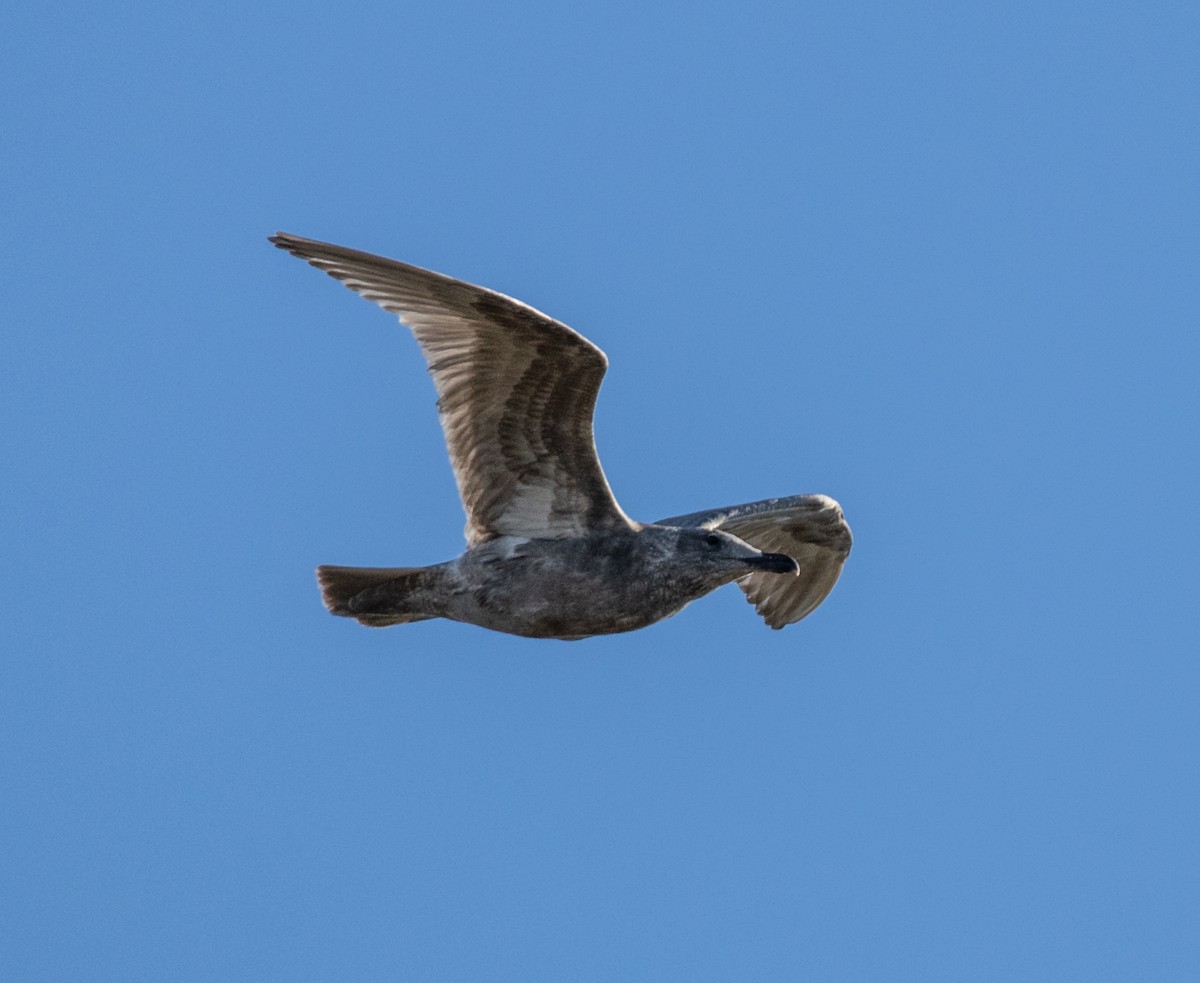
(376, 596)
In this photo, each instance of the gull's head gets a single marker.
(720, 552)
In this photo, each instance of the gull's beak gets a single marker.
(775, 563)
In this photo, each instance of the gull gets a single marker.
(550, 553)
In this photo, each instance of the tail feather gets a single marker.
(373, 596)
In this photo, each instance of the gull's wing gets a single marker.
(516, 390)
(809, 528)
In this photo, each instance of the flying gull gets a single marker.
(550, 553)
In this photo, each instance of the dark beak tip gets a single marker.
(778, 563)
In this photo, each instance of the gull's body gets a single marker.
(550, 553)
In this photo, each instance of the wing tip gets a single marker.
(288, 242)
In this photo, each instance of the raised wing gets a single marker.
(516, 391)
(809, 528)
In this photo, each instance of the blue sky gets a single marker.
(936, 260)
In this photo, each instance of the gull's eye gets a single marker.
(713, 541)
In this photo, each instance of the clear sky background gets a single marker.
(938, 260)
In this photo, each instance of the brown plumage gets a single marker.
(550, 553)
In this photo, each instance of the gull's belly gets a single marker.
(523, 596)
